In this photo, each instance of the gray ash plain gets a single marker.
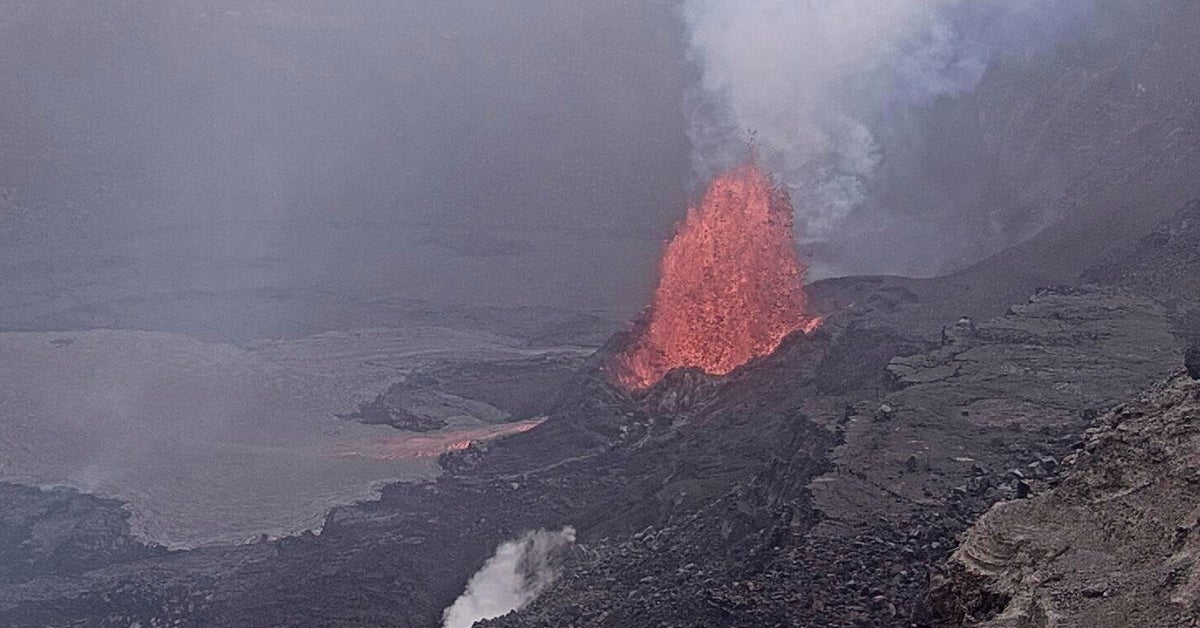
(209, 442)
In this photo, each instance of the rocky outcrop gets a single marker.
(1161, 263)
(62, 532)
(1116, 543)
(929, 438)
(473, 391)
(819, 485)
(815, 486)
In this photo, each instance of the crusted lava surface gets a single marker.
(820, 485)
(837, 481)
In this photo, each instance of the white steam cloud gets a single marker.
(512, 578)
(814, 80)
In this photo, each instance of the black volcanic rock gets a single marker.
(847, 537)
(1191, 361)
(1162, 262)
(772, 496)
(766, 497)
(61, 532)
(380, 412)
(493, 391)
(1117, 540)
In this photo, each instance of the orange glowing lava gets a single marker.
(731, 285)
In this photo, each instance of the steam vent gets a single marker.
(731, 286)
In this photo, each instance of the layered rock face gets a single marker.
(1117, 543)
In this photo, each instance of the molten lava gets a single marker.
(731, 286)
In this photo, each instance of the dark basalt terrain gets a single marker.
(1116, 543)
(494, 392)
(851, 543)
(940, 452)
(821, 485)
(62, 532)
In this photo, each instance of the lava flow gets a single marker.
(731, 285)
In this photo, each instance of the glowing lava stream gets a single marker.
(731, 285)
(428, 446)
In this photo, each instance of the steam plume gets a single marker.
(512, 578)
(816, 80)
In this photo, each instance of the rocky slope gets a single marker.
(817, 486)
(1116, 543)
(985, 413)
(821, 485)
(941, 435)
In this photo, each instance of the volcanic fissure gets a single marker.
(731, 285)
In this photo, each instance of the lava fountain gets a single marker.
(731, 285)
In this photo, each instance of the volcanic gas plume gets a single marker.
(731, 286)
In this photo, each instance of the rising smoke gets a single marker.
(512, 578)
(819, 83)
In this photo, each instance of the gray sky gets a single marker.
(523, 151)
(541, 115)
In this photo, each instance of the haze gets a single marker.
(241, 169)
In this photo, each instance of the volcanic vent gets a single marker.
(731, 286)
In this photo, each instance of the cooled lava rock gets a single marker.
(1192, 361)
(1078, 554)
